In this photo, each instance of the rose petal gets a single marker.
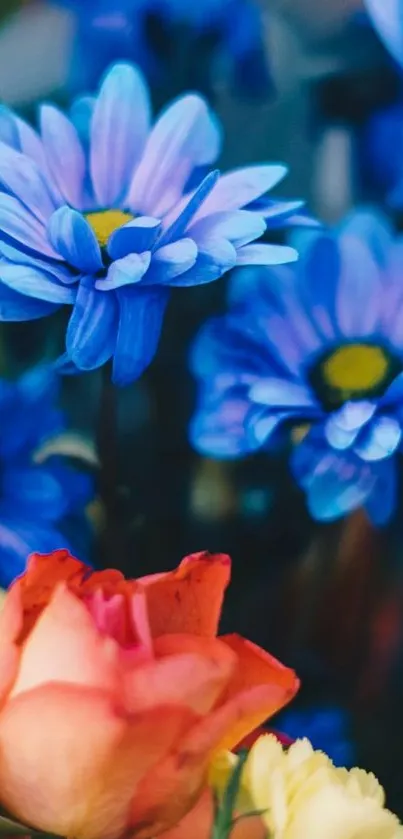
(73, 772)
(188, 599)
(65, 646)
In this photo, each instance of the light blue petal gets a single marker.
(218, 426)
(171, 261)
(21, 176)
(34, 282)
(92, 328)
(18, 307)
(387, 16)
(266, 255)
(64, 154)
(137, 236)
(380, 439)
(374, 228)
(178, 228)
(280, 393)
(238, 188)
(126, 271)
(81, 113)
(318, 278)
(360, 292)
(261, 425)
(73, 238)
(8, 128)
(214, 258)
(141, 312)
(240, 227)
(336, 483)
(19, 225)
(352, 416)
(119, 129)
(185, 136)
(337, 437)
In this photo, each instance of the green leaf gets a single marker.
(224, 813)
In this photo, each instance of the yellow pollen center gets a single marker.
(105, 222)
(356, 367)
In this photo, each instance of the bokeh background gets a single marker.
(327, 599)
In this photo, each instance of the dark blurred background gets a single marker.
(327, 599)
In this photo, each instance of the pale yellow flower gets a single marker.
(303, 796)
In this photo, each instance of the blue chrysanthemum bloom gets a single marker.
(36, 494)
(387, 18)
(326, 727)
(224, 36)
(319, 351)
(107, 223)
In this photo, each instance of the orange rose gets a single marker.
(115, 694)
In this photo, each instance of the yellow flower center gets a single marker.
(353, 371)
(355, 368)
(105, 222)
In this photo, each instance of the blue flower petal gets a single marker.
(141, 311)
(19, 225)
(92, 328)
(21, 176)
(218, 427)
(35, 492)
(238, 188)
(8, 128)
(18, 307)
(64, 154)
(339, 438)
(379, 439)
(126, 271)
(359, 290)
(185, 136)
(73, 238)
(119, 129)
(319, 258)
(171, 261)
(19, 538)
(81, 113)
(135, 237)
(352, 416)
(260, 425)
(382, 502)
(214, 258)
(266, 255)
(372, 227)
(336, 483)
(282, 393)
(239, 226)
(178, 227)
(34, 282)
(394, 394)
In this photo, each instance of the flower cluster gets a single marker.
(318, 352)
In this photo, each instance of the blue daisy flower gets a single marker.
(227, 33)
(319, 351)
(107, 223)
(36, 495)
(387, 18)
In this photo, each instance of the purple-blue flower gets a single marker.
(387, 18)
(326, 727)
(218, 37)
(38, 496)
(106, 222)
(317, 351)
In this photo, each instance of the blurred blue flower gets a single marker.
(319, 351)
(35, 495)
(326, 727)
(387, 18)
(224, 37)
(108, 224)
